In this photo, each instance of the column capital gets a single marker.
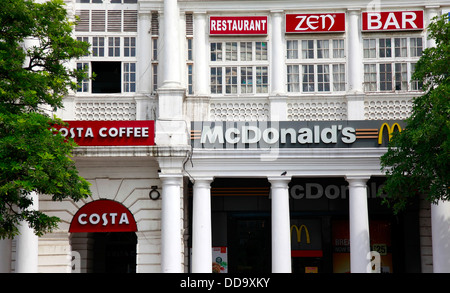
(357, 180)
(171, 179)
(203, 182)
(279, 181)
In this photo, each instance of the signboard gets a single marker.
(103, 216)
(238, 25)
(110, 133)
(293, 134)
(306, 239)
(314, 23)
(392, 21)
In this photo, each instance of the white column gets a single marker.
(201, 227)
(277, 98)
(359, 224)
(171, 242)
(201, 85)
(440, 235)
(27, 244)
(144, 53)
(355, 76)
(355, 73)
(281, 238)
(171, 62)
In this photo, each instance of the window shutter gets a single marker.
(130, 21)
(98, 21)
(114, 20)
(83, 21)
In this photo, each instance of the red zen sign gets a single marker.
(110, 133)
(103, 216)
(392, 21)
(238, 25)
(313, 23)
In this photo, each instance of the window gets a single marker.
(315, 65)
(129, 77)
(83, 85)
(112, 35)
(239, 68)
(390, 62)
(115, 74)
(107, 79)
(129, 47)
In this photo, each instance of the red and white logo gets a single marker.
(103, 216)
(322, 22)
(392, 21)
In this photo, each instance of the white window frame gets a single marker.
(403, 50)
(315, 65)
(230, 62)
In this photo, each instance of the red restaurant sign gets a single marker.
(238, 25)
(110, 133)
(392, 21)
(309, 23)
(103, 216)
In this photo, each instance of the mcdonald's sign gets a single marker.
(390, 130)
(299, 233)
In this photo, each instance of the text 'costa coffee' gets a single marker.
(308, 23)
(392, 21)
(110, 133)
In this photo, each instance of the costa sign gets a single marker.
(110, 133)
(103, 216)
(392, 21)
(238, 25)
(309, 23)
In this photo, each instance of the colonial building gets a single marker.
(240, 136)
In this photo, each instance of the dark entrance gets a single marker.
(249, 245)
(115, 252)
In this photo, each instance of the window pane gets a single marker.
(292, 49)
(308, 78)
(323, 49)
(230, 80)
(293, 78)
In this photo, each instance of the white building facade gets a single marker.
(240, 136)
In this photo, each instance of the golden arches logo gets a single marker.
(299, 233)
(389, 129)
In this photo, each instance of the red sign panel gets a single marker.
(110, 133)
(313, 23)
(103, 216)
(238, 25)
(392, 21)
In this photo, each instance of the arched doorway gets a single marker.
(103, 235)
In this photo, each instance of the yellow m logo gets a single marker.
(389, 129)
(299, 233)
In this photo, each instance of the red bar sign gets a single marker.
(309, 23)
(392, 21)
(238, 25)
(110, 133)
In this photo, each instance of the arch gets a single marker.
(103, 216)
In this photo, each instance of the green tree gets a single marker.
(34, 78)
(417, 160)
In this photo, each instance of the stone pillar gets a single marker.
(27, 244)
(277, 98)
(359, 224)
(281, 238)
(355, 74)
(440, 235)
(201, 227)
(171, 242)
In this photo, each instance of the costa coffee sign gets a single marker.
(110, 133)
(392, 21)
(238, 25)
(314, 23)
(103, 216)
